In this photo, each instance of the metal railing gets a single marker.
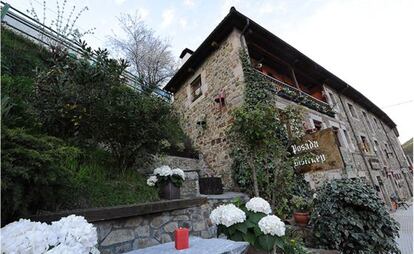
(289, 92)
(46, 36)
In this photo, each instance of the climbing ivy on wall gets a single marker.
(262, 135)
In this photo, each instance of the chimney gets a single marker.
(185, 54)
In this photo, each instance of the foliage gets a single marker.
(301, 204)
(64, 23)
(87, 101)
(34, 172)
(249, 231)
(94, 185)
(262, 135)
(17, 95)
(20, 56)
(349, 216)
(149, 55)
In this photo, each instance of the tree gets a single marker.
(148, 54)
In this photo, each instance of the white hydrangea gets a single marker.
(152, 180)
(227, 215)
(179, 172)
(74, 230)
(259, 205)
(25, 236)
(163, 171)
(272, 225)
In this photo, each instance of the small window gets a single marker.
(375, 121)
(318, 125)
(364, 144)
(196, 91)
(333, 99)
(376, 145)
(352, 110)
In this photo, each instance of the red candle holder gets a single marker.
(181, 238)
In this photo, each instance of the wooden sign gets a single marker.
(318, 151)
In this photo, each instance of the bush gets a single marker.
(18, 93)
(349, 216)
(89, 103)
(34, 173)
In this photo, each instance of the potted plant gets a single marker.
(301, 209)
(168, 181)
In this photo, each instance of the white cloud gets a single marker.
(189, 3)
(167, 17)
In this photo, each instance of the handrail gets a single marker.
(323, 106)
(45, 31)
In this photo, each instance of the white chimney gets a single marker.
(185, 54)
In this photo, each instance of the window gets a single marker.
(386, 150)
(352, 110)
(366, 120)
(364, 144)
(376, 145)
(196, 89)
(317, 124)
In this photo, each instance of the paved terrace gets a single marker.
(405, 218)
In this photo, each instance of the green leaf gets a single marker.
(249, 237)
(242, 227)
(237, 236)
(256, 217)
(266, 242)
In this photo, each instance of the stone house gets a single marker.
(210, 84)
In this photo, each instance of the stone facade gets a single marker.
(221, 72)
(383, 166)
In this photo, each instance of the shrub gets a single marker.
(349, 216)
(34, 175)
(87, 101)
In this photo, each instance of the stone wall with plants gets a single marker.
(221, 72)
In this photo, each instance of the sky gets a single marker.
(367, 43)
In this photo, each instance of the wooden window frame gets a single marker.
(196, 86)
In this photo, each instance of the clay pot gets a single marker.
(169, 191)
(301, 218)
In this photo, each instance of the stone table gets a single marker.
(198, 246)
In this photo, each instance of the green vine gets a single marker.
(262, 135)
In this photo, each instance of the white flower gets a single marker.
(74, 230)
(163, 171)
(227, 215)
(271, 224)
(179, 172)
(258, 205)
(25, 236)
(152, 180)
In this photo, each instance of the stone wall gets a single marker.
(221, 72)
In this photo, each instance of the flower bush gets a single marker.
(72, 234)
(165, 174)
(227, 215)
(252, 223)
(258, 205)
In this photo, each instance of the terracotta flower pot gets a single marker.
(301, 218)
(169, 191)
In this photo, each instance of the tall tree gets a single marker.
(150, 56)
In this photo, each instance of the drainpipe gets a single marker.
(398, 160)
(364, 159)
